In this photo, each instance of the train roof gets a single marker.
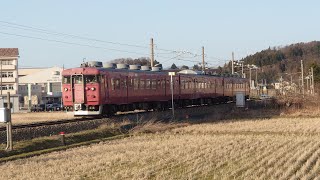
(96, 70)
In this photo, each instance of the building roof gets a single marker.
(9, 52)
(28, 71)
(52, 74)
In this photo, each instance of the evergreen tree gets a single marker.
(173, 66)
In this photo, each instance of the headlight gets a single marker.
(65, 89)
(93, 88)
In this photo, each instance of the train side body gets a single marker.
(97, 91)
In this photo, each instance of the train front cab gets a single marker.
(81, 93)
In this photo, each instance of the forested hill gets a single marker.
(284, 61)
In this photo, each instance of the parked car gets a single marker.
(54, 107)
(37, 107)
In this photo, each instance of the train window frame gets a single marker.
(153, 84)
(182, 84)
(112, 83)
(163, 83)
(78, 79)
(136, 83)
(124, 83)
(148, 84)
(66, 80)
(90, 79)
(142, 84)
(117, 83)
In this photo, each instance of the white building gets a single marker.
(9, 77)
(45, 85)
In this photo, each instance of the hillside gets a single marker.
(286, 61)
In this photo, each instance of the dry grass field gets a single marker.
(23, 118)
(281, 148)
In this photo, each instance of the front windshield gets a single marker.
(66, 80)
(91, 79)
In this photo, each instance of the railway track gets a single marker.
(66, 121)
(48, 123)
(59, 122)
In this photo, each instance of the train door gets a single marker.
(77, 89)
(103, 88)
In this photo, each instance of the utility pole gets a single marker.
(250, 77)
(302, 78)
(171, 87)
(203, 66)
(243, 76)
(312, 80)
(152, 53)
(232, 65)
(256, 77)
(281, 86)
(307, 78)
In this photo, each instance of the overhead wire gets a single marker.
(30, 28)
(49, 32)
(71, 43)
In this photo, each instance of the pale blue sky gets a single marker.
(244, 27)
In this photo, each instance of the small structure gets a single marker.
(240, 99)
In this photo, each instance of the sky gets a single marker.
(66, 33)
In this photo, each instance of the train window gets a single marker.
(131, 82)
(66, 80)
(154, 84)
(159, 84)
(117, 84)
(148, 83)
(77, 79)
(124, 84)
(112, 84)
(142, 83)
(182, 84)
(163, 83)
(136, 83)
(92, 79)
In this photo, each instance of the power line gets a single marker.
(41, 30)
(29, 28)
(70, 43)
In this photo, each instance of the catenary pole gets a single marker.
(302, 78)
(203, 65)
(232, 65)
(152, 53)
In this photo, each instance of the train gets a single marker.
(96, 89)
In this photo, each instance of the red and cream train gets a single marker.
(104, 91)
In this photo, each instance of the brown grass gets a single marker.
(22, 118)
(282, 148)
